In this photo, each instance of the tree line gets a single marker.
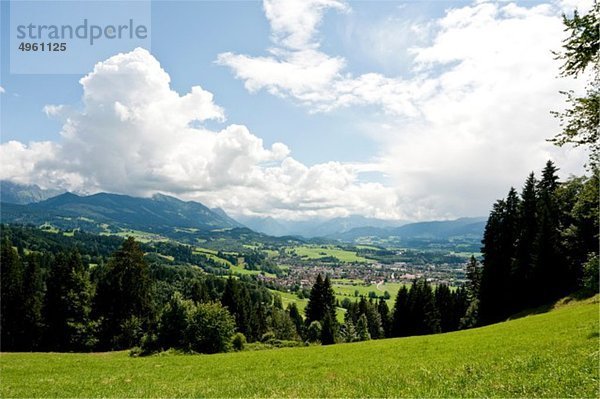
(539, 245)
(59, 302)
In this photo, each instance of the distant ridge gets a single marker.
(161, 212)
(443, 230)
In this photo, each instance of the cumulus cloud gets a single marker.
(472, 117)
(137, 136)
(485, 124)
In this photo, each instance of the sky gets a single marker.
(296, 109)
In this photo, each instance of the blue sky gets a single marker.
(391, 109)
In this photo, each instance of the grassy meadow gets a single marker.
(552, 354)
(320, 251)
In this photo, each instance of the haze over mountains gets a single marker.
(162, 213)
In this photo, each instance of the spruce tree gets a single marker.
(33, 293)
(499, 250)
(11, 301)
(473, 274)
(362, 329)
(444, 302)
(315, 309)
(384, 314)
(548, 259)
(522, 268)
(400, 314)
(123, 297)
(296, 317)
(67, 305)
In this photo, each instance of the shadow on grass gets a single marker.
(576, 296)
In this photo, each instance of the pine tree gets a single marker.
(362, 329)
(123, 297)
(548, 259)
(444, 302)
(522, 268)
(237, 300)
(473, 274)
(296, 317)
(321, 301)
(33, 293)
(401, 313)
(424, 317)
(329, 332)
(67, 305)
(11, 300)
(384, 314)
(499, 250)
(315, 309)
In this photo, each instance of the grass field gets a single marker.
(320, 251)
(553, 354)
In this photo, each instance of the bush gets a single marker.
(590, 275)
(238, 341)
(268, 336)
(174, 322)
(131, 332)
(210, 328)
(313, 334)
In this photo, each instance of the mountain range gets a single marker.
(104, 212)
(159, 213)
(314, 227)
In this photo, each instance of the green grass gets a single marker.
(553, 354)
(348, 290)
(140, 236)
(320, 251)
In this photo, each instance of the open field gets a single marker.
(552, 354)
(320, 251)
(350, 290)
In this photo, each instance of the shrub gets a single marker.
(238, 341)
(313, 334)
(210, 328)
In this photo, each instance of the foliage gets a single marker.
(238, 342)
(210, 328)
(581, 119)
(535, 246)
(124, 291)
(554, 354)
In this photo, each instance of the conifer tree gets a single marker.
(548, 259)
(473, 274)
(315, 309)
(522, 268)
(123, 297)
(401, 313)
(445, 304)
(362, 329)
(67, 305)
(296, 317)
(384, 314)
(11, 301)
(33, 293)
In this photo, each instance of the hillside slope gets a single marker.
(553, 354)
(160, 213)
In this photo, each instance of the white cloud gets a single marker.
(472, 119)
(485, 125)
(137, 136)
(294, 22)
(469, 122)
(2, 91)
